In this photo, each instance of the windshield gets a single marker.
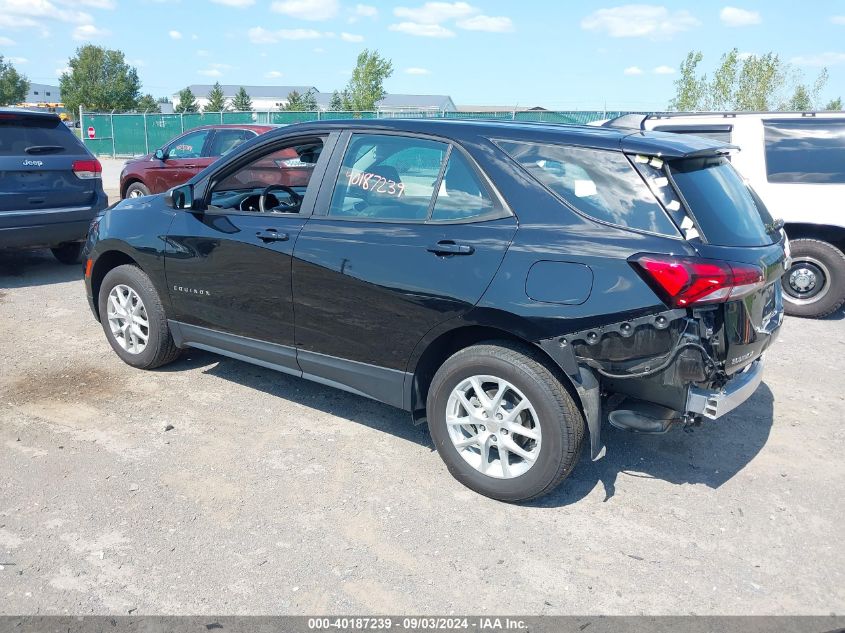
(722, 203)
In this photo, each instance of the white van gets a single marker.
(796, 164)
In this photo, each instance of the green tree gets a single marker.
(13, 85)
(366, 87)
(187, 101)
(689, 88)
(834, 105)
(301, 102)
(148, 103)
(216, 99)
(336, 103)
(100, 80)
(163, 100)
(242, 102)
(754, 82)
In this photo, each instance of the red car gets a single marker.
(183, 157)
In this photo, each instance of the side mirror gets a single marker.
(181, 197)
(160, 154)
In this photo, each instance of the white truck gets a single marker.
(795, 161)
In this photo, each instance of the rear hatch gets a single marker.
(43, 166)
(742, 250)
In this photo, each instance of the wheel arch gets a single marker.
(128, 182)
(452, 341)
(105, 262)
(831, 234)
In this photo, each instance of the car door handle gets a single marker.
(271, 235)
(448, 247)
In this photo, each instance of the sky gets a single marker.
(558, 54)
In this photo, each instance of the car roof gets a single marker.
(30, 113)
(255, 127)
(638, 141)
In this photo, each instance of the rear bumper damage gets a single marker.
(714, 403)
(651, 373)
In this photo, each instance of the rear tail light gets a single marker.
(87, 169)
(687, 281)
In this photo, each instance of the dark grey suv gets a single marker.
(50, 184)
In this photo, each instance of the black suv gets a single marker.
(512, 284)
(50, 184)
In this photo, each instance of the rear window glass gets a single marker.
(721, 202)
(805, 150)
(33, 136)
(598, 183)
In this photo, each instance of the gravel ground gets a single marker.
(271, 494)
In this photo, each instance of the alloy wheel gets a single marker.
(807, 281)
(128, 319)
(493, 426)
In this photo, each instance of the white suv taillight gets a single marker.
(87, 169)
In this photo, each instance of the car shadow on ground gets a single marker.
(22, 269)
(710, 454)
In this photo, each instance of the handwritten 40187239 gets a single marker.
(373, 182)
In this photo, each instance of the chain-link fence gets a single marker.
(137, 134)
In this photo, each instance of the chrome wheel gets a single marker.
(493, 426)
(135, 193)
(128, 319)
(807, 281)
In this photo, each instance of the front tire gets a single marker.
(133, 319)
(136, 190)
(503, 422)
(814, 286)
(68, 253)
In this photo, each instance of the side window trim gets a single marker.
(209, 142)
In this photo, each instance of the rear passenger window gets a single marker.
(387, 177)
(461, 195)
(598, 183)
(807, 151)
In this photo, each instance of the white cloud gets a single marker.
(491, 24)
(273, 74)
(351, 37)
(203, 53)
(732, 16)
(63, 70)
(838, 19)
(639, 20)
(43, 9)
(743, 55)
(17, 60)
(422, 30)
(307, 9)
(822, 59)
(319, 50)
(5, 41)
(175, 35)
(94, 4)
(238, 4)
(260, 35)
(664, 70)
(211, 72)
(435, 12)
(417, 71)
(366, 11)
(89, 32)
(633, 70)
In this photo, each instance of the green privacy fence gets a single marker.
(137, 134)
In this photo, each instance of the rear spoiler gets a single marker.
(629, 121)
(688, 146)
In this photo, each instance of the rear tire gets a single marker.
(136, 190)
(134, 320)
(814, 286)
(68, 253)
(550, 431)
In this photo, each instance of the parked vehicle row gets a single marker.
(796, 163)
(510, 284)
(50, 184)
